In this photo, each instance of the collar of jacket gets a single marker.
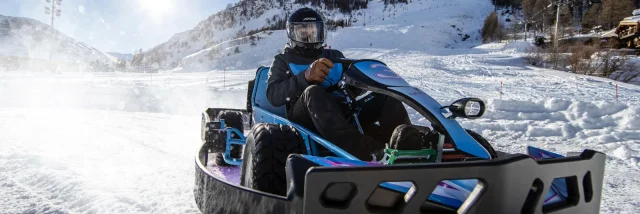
(297, 51)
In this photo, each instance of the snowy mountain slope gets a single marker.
(29, 38)
(420, 26)
(251, 16)
(244, 17)
(127, 56)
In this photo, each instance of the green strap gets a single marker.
(394, 153)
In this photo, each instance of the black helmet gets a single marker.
(306, 31)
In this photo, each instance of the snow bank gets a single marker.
(586, 124)
(573, 118)
(519, 46)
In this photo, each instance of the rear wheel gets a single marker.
(265, 155)
(231, 119)
(484, 143)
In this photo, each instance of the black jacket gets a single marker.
(286, 76)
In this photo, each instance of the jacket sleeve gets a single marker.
(282, 85)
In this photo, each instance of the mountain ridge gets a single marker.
(29, 38)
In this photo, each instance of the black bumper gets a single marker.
(514, 184)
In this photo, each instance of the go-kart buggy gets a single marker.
(282, 167)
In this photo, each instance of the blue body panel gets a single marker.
(382, 74)
(332, 79)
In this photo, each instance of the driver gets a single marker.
(295, 80)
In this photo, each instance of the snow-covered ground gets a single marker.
(125, 143)
(108, 143)
(75, 143)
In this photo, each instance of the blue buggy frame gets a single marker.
(264, 112)
(375, 76)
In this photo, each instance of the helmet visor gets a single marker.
(306, 32)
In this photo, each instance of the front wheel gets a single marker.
(265, 156)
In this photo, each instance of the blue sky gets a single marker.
(119, 25)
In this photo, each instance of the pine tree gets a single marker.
(613, 11)
(590, 18)
(528, 7)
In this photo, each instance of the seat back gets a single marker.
(260, 93)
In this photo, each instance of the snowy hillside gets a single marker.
(31, 39)
(121, 55)
(418, 25)
(244, 17)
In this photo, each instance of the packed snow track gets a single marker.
(124, 143)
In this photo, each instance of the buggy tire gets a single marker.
(265, 156)
(231, 119)
(484, 143)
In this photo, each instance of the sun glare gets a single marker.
(156, 8)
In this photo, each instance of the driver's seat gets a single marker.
(260, 94)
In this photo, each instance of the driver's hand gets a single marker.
(318, 71)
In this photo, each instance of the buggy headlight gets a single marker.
(467, 108)
(472, 109)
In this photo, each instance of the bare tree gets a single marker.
(612, 62)
(535, 56)
(581, 59)
(491, 30)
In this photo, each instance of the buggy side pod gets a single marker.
(512, 184)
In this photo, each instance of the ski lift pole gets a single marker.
(555, 40)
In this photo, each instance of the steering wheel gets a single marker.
(332, 82)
